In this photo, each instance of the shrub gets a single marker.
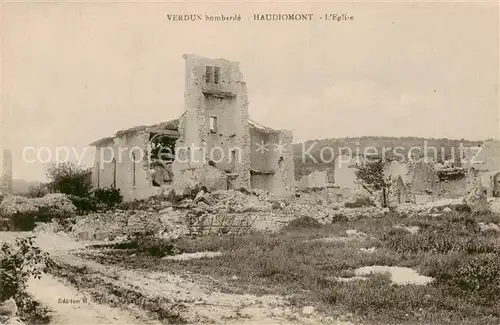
(303, 222)
(462, 208)
(359, 203)
(459, 233)
(69, 178)
(108, 196)
(74, 180)
(147, 243)
(84, 204)
(18, 263)
(132, 205)
(339, 217)
(478, 275)
(38, 190)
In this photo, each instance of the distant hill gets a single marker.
(444, 148)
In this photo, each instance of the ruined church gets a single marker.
(213, 143)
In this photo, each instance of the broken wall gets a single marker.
(226, 101)
(453, 188)
(260, 158)
(129, 171)
(345, 173)
(487, 157)
(314, 179)
(394, 169)
(6, 173)
(272, 166)
(397, 192)
(282, 182)
(423, 178)
(261, 181)
(484, 168)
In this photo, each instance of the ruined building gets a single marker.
(6, 173)
(213, 143)
(484, 168)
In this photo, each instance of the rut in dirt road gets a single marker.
(70, 306)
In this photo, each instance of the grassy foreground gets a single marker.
(452, 248)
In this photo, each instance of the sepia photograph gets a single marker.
(253, 163)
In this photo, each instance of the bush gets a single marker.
(458, 233)
(339, 217)
(18, 263)
(149, 244)
(73, 180)
(84, 204)
(478, 275)
(359, 203)
(38, 190)
(303, 222)
(108, 196)
(132, 205)
(69, 178)
(462, 208)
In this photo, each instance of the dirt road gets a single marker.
(70, 306)
(85, 292)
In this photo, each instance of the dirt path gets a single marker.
(131, 296)
(69, 306)
(178, 298)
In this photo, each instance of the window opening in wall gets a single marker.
(496, 185)
(233, 160)
(213, 124)
(209, 72)
(114, 173)
(161, 155)
(98, 175)
(216, 75)
(133, 168)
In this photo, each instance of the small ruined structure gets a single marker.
(423, 177)
(345, 172)
(6, 173)
(315, 179)
(213, 144)
(397, 193)
(130, 160)
(453, 180)
(484, 169)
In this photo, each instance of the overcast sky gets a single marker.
(73, 73)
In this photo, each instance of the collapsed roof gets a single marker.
(172, 125)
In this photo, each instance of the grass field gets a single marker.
(463, 259)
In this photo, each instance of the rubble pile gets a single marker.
(8, 313)
(167, 217)
(99, 226)
(494, 205)
(233, 211)
(58, 205)
(334, 212)
(116, 224)
(221, 212)
(51, 227)
(489, 226)
(238, 202)
(323, 196)
(476, 199)
(443, 205)
(154, 203)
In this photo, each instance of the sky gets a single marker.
(76, 72)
